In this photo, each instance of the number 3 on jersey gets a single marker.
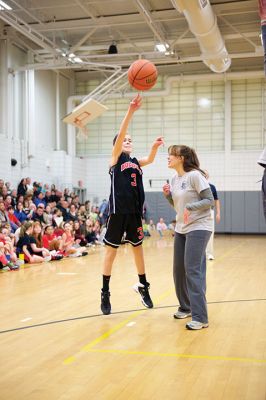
(134, 181)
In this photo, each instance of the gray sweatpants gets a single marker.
(189, 272)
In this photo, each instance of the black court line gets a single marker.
(115, 313)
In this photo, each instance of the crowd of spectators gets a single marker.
(40, 223)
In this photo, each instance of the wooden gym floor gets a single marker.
(55, 344)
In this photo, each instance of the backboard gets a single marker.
(84, 113)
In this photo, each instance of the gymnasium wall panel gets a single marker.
(241, 212)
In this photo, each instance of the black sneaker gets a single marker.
(105, 303)
(143, 290)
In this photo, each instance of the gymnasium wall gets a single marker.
(241, 211)
(31, 127)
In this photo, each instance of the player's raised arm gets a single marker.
(117, 149)
(150, 158)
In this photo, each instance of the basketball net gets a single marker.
(83, 131)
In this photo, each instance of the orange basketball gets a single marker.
(142, 74)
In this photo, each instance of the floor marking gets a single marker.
(177, 355)
(116, 328)
(66, 273)
(212, 262)
(26, 319)
(131, 324)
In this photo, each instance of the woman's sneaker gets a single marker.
(182, 314)
(105, 302)
(196, 325)
(143, 290)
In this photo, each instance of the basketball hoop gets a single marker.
(82, 133)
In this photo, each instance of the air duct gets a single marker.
(203, 24)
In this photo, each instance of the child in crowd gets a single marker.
(25, 242)
(19, 213)
(79, 233)
(8, 248)
(161, 226)
(145, 227)
(89, 233)
(50, 240)
(68, 246)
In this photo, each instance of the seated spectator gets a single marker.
(8, 201)
(26, 207)
(82, 215)
(152, 226)
(63, 207)
(97, 229)
(3, 213)
(103, 211)
(14, 221)
(145, 227)
(22, 187)
(8, 243)
(68, 245)
(19, 213)
(57, 218)
(2, 184)
(161, 226)
(73, 214)
(48, 215)
(93, 214)
(8, 187)
(38, 215)
(38, 247)
(29, 185)
(24, 244)
(5, 263)
(79, 233)
(50, 240)
(40, 199)
(4, 192)
(171, 227)
(89, 232)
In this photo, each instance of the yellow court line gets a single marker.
(116, 328)
(227, 253)
(106, 335)
(177, 355)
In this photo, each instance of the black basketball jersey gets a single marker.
(127, 193)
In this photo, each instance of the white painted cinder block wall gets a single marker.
(228, 170)
(237, 171)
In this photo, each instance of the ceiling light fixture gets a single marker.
(162, 47)
(78, 60)
(4, 6)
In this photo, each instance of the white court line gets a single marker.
(26, 319)
(66, 273)
(131, 323)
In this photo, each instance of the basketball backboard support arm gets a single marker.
(91, 107)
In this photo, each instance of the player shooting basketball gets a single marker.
(125, 207)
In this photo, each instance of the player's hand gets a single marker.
(186, 216)
(218, 218)
(166, 189)
(158, 142)
(135, 104)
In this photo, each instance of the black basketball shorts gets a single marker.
(118, 224)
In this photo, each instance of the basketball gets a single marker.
(142, 75)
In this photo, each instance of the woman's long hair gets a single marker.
(37, 236)
(189, 155)
(24, 228)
